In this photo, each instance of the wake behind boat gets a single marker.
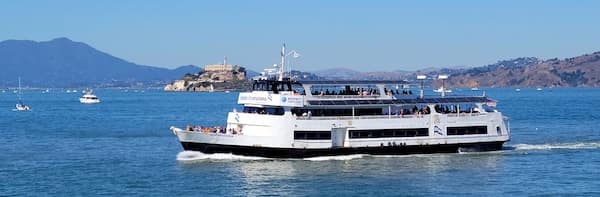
(89, 98)
(285, 118)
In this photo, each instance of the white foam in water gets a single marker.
(187, 156)
(411, 155)
(336, 158)
(590, 145)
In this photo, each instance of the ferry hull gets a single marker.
(304, 153)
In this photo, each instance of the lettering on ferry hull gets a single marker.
(271, 99)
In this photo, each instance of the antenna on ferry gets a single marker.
(281, 69)
(422, 79)
(443, 78)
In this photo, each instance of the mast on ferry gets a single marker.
(281, 68)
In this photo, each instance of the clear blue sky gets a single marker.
(361, 35)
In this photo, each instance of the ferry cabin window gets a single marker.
(276, 86)
(453, 108)
(368, 111)
(264, 110)
(466, 130)
(410, 109)
(446, 108)
(359, 90)
(338, 112)
(387, 133)
(312, 135)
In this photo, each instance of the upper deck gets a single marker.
(399, 101)
(289, 93)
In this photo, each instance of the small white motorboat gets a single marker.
(89, 98)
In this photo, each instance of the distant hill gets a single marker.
(64, 63)
(306, 76)
(581, 71)
(337, 73)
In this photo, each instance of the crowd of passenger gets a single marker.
(449, 109)
(264, 110)
(416, 111)
(349, 91)
(361, 92)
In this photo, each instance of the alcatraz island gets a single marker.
(214, 77)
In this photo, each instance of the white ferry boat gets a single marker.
(284, 118)
(89, 98)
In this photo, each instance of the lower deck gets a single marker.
(399, 149)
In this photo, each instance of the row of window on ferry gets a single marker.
(333, 89)
(391, 133)
(395, 110)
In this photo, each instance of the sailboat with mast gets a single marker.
(20, 106)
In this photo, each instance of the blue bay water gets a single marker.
(123, 146)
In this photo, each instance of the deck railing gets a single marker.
(451, 115)
(359, 117)
(344, 96)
